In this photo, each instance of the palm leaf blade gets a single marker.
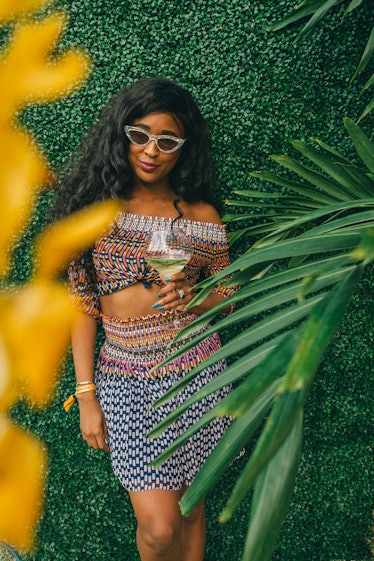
(303, 10)
(273, 486)
(370, 105)
(299, 188)
(353, 5)
(329, 166)
(366, 55)
(237, 435)
(321, 182)
(315, 19)
(364, 147)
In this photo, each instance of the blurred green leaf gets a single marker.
(274, 486)
(294, 388)
(365, 251)
(370, 106)
(366, 56)
(353, 5)
(364, 148)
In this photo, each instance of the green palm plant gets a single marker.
(315, 10)
(296, 282)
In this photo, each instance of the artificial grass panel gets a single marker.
(258, 92)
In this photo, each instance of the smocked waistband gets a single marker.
(135, 346)
(146, 333)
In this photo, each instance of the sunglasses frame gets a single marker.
(156, 138)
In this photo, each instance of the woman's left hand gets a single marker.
(175, 294)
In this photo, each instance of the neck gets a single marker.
(159, 188)
(151, 203)
(152, 193)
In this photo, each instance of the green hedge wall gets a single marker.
(258, 92)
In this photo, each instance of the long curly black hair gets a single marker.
(100, 169)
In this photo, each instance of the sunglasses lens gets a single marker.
(167, 144)
(138, 137)
(141, 138)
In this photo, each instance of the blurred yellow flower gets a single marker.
(70, 236)
(36, 318)
(23, 170)
(34, 324)
(23, 468)
(10, 9)
(7, 390)
(28, 74)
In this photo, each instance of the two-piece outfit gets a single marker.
(125, 388)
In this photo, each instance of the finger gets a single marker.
(105, 430)
(102, 443)
(91, 441)
(106, 437)
(97, 443)
(172, 296)
(178, 277)
(173, 299)
(169, 287)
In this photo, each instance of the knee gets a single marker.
(197, 516)
(161, 536)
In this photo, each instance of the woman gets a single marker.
(151, 151)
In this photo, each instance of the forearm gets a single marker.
(210, 301)
(83, 340)
(92, 420)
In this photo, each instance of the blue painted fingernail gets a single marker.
(158, 295)
(168, 279)
(156, 305)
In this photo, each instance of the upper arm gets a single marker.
(82, 286)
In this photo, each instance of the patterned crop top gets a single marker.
(118, 258)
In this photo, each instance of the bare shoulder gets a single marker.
(202, 212)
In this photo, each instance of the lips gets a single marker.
(147, 166)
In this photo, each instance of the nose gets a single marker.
(151, 149)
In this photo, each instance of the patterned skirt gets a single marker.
(127, 390)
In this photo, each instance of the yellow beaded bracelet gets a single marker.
(88, 387)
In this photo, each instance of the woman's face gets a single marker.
(149, 164)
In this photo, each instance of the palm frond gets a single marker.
(286, 318)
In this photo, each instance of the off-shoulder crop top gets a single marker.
(118, 260)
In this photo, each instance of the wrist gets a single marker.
(81, 389)
(84, 381)
(86, 396)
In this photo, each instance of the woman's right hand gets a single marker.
(92, 422)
